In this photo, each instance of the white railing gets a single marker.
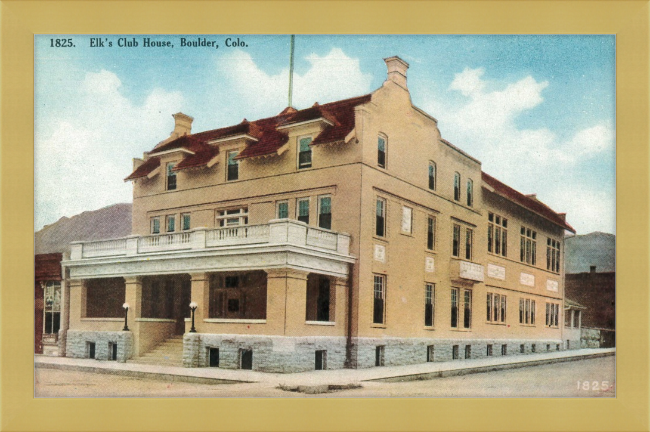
(320, 238)
(246, 234)
(165, 242)
(104, 248)
(276, 232)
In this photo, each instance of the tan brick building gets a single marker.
(348, 234)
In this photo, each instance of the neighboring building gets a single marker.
(50, 243)
(348, 234)
(572, 323)
(596, 291)
(47, 303)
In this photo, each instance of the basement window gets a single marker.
(213, 355)
(454, 352)
(489, 350)
(430, 353)
(504, 349)
(522, 348)
(112, 350)
(90, 349)
(321, 360)
(246, 359)
(379, 355)
(468, 351)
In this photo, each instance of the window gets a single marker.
(455, 248)
(429, 297)
(528, 251)
(233, 217)
(213, 354)
(155, 225)
(468, 351)
(186, 221)
(432, 175)
(533, 348)
(171, 176)
(431, 233)
(304, 152)
(430, 353)
(318, 306)
(467, 311)
(553, 255)
(171, 223)
(522, 348)
(52, 307)
(325, 212)
(468, 244)
(237, 296)
(470, 193)
(379, 355)
(527, 311)
(303, 210)
(112, 350)
(497, 234)
(457, 186)
(454, 307)
(454, 352)
(552, 314)
(283, 210)
(320, 360)
(380, 299)
(233, 166)
(496, 308)
(489, 350)
(90, 348)
(246, 359)
(407, 220)
(380, 221)
(504, 349)
(381, 152)
(548, 347)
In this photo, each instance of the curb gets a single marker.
(482, 369)
(161, 376)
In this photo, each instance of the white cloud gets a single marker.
(81, 164)
(485, 125)
(331, 77)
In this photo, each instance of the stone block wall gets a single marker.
(77, 344)
(400, 351)
(270, 353)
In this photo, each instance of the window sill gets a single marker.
(465, 330)
(103, 319)
(321, 323)
(381, 239)
(379, 326)
(529, 325)
(166, 320)
(429, 328)
(230, 320)
(431, 251)
(408, 234)
(495, 323)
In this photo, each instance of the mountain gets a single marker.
(593, 249)
(109, 222)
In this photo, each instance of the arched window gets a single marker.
(457, 186)
(432, 175)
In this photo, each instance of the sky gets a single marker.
(537, 111)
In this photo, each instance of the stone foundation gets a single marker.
(77, 344)
(402, 351)
(270, 353)
(297, 354)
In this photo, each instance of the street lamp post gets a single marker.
(193, 307)
(126, 317)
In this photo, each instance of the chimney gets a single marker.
(397, 70)
(592, 269)
(562, 216)
(182, 124)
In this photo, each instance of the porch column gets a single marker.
(65, 313)
(340, 302)
(296, 302)
(572, 317)
(133, 296)
(201, 296)
(76, 302)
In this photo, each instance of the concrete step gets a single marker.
(167, 353)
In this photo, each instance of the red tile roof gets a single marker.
(531, 204)
(268, 138)
(143, 170)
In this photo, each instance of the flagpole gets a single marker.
(291, 71)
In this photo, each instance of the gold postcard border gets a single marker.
(20, 21)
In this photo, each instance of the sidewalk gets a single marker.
(318, 378)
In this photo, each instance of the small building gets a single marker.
(597, 292)
(348, 234)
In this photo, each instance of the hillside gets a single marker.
(593, 249)
(108, 222)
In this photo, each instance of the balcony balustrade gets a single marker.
(276, 232)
